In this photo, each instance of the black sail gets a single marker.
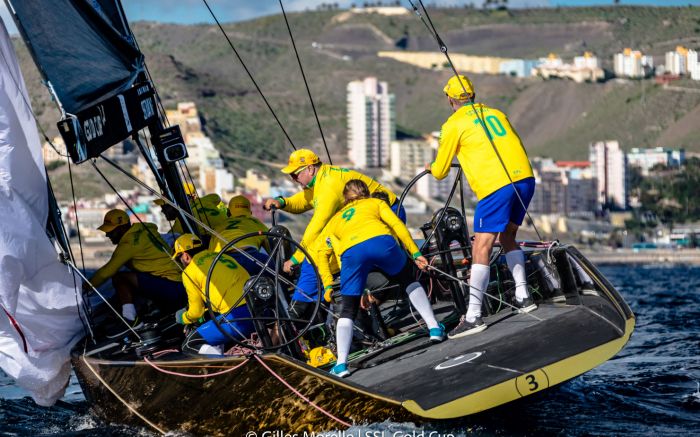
(83, 48)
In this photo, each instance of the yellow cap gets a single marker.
(299, 159)
(455, 90)
(239, 205)
(189, 188)
(113, 218)
(320, 356)
(159, 202)
(186, 242)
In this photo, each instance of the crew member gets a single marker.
(208, 209)
(361, 233)
(241, 222)
(498, 171)
(225, 295)
(323, 191)
(153, 274)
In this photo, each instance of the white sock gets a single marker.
(417, 296)
(516, 264)
(343, 335)
(129, 311)
(478, 282)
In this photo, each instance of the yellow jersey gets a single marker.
(463, 136)
(325, 195)
(327, 261)
(142, 249)
(357, 222)
(235, 227)
(225, 287)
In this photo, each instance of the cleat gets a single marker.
(340, 370)
(467, 328)
(526, 305)
(437, 334)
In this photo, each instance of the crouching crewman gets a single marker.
(225, 290)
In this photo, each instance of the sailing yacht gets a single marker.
(98, 76)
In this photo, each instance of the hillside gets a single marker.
(555, 118)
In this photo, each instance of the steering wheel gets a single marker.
(265, 289)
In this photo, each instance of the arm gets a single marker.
(400, 230)
(121, 255)
(327, 206)
(195, 303)
(449, 143)
(298, 203)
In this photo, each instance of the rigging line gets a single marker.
(75, 208)
(213, 232)
(250, 75)
(303, 75)
(454, 278)
(122, 400)
(443, 49)
(104, 299)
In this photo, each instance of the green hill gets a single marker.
(554, 118)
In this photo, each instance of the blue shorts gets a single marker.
(400, 213)
(166, 294)
(378, 253)
(495, 211)
(239, 329)
(307, 285)
(248, 264)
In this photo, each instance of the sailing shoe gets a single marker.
(340, 370)
(558, 296)
(588, 289)
(121, 330)
(437, 334)
(467, 328)
(526, 305)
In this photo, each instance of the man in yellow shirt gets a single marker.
(208, 209)
(225, 295)
(153, 274)
(323, 192)
(362, 234)
(498, 170)
(241, 222)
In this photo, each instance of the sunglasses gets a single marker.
(295, 175)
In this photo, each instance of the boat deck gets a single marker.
(513, 345)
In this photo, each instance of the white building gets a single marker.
(407, 156)
(633, 64)
(693, 65)
(371, 122)
(677, 61)
(53, 154)
(609, 165)
(647, 158)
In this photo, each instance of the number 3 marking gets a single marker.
(532, 382)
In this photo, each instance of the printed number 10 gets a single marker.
(494, 124)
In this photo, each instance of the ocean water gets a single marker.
(652, 387)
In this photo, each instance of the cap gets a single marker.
(456, 85)
(186, 242)
(114, 218)
(159, 202)
(239, 205)
(299, 159)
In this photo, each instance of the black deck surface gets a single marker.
(512, 345)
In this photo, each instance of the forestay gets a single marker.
(39, 319)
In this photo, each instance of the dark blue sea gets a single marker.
(652, 387)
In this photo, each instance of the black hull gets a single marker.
(518, 355)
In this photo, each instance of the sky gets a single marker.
(194, 11)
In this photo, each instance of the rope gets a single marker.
(484, 292)
(299, 394)
(308, 91)
(250, 75)
(443, 48)
(104, 299)
(116, 395)
(186, 375)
